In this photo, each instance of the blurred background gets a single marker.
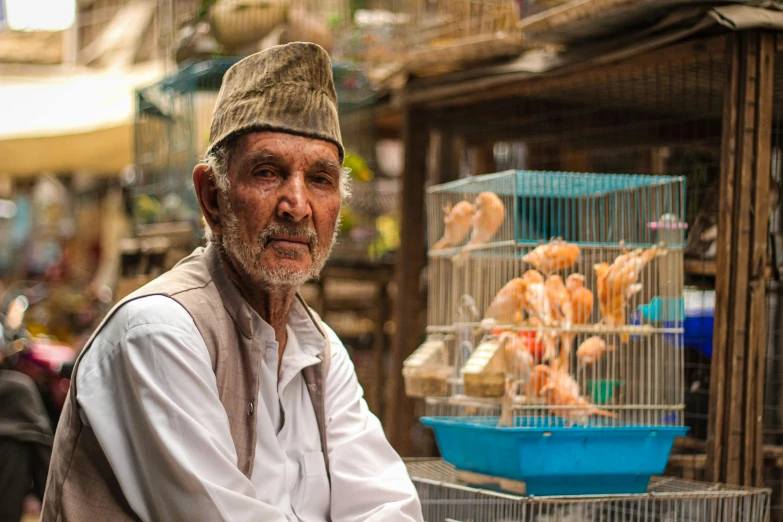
(105, 108)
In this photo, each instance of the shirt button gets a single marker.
(250, 409)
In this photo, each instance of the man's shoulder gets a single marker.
(149, 310)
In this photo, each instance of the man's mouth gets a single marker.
(286, 241)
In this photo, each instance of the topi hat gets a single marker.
(286, 88)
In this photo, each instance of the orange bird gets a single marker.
(458, 221)
(489, 215)
(617, 283)
(506, 306)
(555, 255)
(592, 349)
(560, 389)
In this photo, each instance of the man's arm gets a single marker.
(369, 480)
(149, 393)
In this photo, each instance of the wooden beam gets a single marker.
(411, 258)
(736, 392)
(760, 192)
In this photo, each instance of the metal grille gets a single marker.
(446, 498)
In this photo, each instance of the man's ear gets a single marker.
(207, 194)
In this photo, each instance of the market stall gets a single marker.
(669, 103)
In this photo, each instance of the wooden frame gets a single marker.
(736, 397)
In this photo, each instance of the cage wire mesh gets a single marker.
(444, 497)
(195, 30)
(103, 26)
(624, 240)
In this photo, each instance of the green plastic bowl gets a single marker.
(602, 390)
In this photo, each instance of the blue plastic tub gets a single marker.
(553, 459)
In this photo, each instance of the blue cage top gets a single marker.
(586, 208)
(552, 184)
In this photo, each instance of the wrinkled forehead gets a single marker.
(290, 151)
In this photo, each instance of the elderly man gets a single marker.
(214, 392)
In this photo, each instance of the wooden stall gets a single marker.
(704, 104)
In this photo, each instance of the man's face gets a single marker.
(280, 213)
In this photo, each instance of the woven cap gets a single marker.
(286, 88)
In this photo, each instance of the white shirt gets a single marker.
(147, 389)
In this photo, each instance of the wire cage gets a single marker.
(434, 34)
(446, 497)
(623, 224)
(194, 30)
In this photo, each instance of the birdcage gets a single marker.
(433, 35)
(555, 302)
(446, 496)
(194, 30)
(596, 219)
(171, 135)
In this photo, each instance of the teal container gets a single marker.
(553, 459)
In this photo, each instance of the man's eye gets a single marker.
(322, 180)
(263, 173)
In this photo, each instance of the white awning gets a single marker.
(70, 121)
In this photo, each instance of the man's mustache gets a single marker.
(288, 229)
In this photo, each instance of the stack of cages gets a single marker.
(555, 328)
(435, 35)
(444, 497)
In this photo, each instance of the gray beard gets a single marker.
(246, 257)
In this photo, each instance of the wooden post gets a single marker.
(447, 166)
(379, 345)
(736, 386)
(411, 256)
(485, 157)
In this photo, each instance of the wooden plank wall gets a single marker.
(736, 392)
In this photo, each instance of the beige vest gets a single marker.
(81, 485)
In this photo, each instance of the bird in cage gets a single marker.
(490, 212)
(560, 389)
(618, 283)
(592, 349)
(458, 221)
(536, 302)
(518, 356)
(552, 257)
(580, 311)
(560, 301)
(563, 313)
(519, 365)
(582, 298)
(506, 306)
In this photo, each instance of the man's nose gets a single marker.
(294, 204)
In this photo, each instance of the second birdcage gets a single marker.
(555, 311)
